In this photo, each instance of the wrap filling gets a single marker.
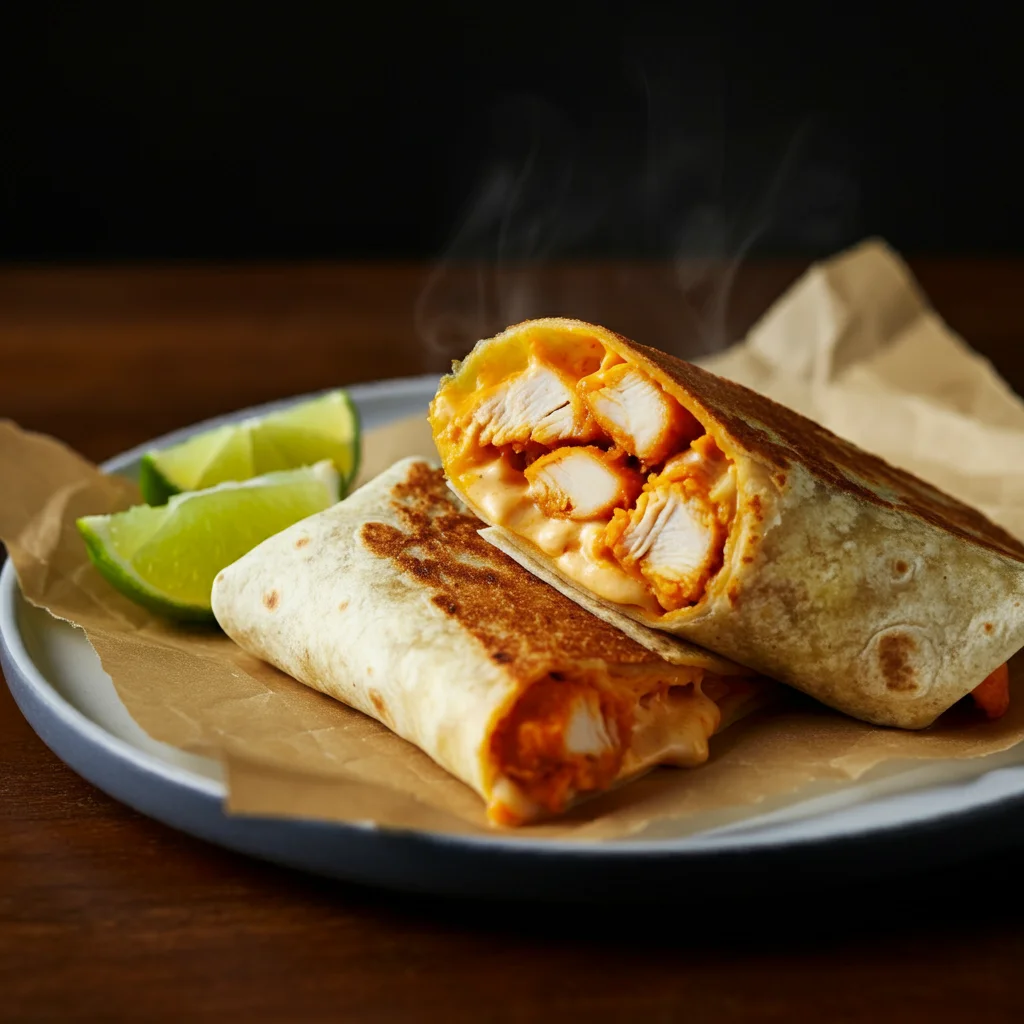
(591, 460)
(578, 732)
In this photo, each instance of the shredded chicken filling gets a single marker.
(565, 738)
(606, 473)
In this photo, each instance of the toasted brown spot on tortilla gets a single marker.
(895, 653)
(378, 702)
(220, 578)
(369, 670)
(446, 604)
(900, 567)
(342, 606)
(420, 493)
(988, 627)
(755, 507)
(271, 599)
(747, 559)
(521, 622)
(780, 479)
(302, 542)
(733, 593)
(383, 540)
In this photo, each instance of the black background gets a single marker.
(506, 131)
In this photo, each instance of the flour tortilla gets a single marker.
(392, 603)
(844, 577)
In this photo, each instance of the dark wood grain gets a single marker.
(105, 915)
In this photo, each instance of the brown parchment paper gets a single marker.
(853, 344)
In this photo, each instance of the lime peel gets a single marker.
(166, 557)
(326, 427)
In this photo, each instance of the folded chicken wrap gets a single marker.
(692, 505)
(392, 603)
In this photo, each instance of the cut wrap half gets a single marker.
(692, 505)
(392, 603)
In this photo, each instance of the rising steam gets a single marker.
(565, 220)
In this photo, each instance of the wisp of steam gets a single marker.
(640, 230)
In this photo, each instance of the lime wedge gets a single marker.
(322, 428)
(166, 558)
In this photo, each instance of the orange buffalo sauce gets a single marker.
(534, 746)
(992, 694)
(544, 396)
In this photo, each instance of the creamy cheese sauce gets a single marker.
(672, 727)
(502, 493)
(492, 425)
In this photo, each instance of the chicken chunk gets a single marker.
(637, 414)
(560, 739)
(539, 404)
(674, 542)
(676, 534)
(581, 483)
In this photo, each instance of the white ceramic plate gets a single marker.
(895, 818)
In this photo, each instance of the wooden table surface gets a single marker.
(105, 915)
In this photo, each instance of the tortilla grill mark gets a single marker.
(791, 438)
(343, 606)
(895, 651)
(423, 489)
(302, 542)
(271, 600)
(495, 605)
(988, 627)
(517, 618)
(446, 604)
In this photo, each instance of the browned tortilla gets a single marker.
(392, 602)
(843, 576)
